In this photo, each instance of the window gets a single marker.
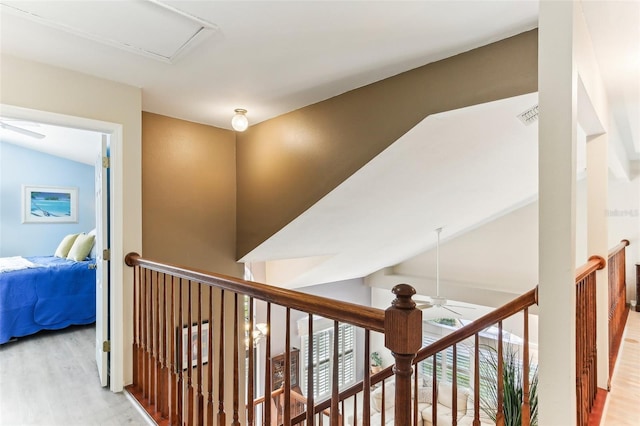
(322, 354)
(445, 363)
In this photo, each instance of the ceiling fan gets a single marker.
(20, 130)
(438, 301)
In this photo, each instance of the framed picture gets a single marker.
(49, 204)
(190, 337)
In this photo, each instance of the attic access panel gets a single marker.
(148, 28)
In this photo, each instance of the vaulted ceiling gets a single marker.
(199, 60)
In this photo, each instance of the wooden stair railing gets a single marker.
(586, 345)
(189, 338)
(167, 298)
(618, 309)
(473, 330)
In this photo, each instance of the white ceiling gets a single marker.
(208, 58)
(269, 57)
(78, 145)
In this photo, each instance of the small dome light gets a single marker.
(239, 122)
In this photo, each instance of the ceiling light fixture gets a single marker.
(239, 122)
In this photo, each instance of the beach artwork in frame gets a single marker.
(192, 339)
(49, 204)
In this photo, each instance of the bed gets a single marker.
(45, 293)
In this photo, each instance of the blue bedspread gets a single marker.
(56, 295)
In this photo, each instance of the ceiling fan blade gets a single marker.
(424, 306)
(21, 130)
(460, 306)
(451, 310)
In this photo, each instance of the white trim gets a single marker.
(147, 418)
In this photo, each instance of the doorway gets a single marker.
(113, 302)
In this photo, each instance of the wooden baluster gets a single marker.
(155, 343)
(593, 376)
(236, 374)
(136, 324)
(145, 330)
(287, 368)
(190, 399)
(355, 409)
(221, 414)
(454, 388)
(476, 381)
(140, 355)
(180, 356)
(267, 371)
(434, 387)
(200, 395)
(526, 408)
(211, 363)
(415, 395)
(366, 385)
(150, 345)
(164, 354)
(500, 378)
(594, 343)
(383, 403)
(251, 395)
(580, 361)
(310, 397)
(578, 356)
(173, 365)
(403, 336)
(335, 375)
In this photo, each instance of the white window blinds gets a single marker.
(322, 358)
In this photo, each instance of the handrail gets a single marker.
(594, 263)
(516, 305)
(366, 317)
(361, 316)
(619, 247)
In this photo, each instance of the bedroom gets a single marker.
(30, 229)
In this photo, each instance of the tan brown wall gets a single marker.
(189, 194)
(288, 163)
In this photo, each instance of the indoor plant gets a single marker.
(376, 362)
(512, 386)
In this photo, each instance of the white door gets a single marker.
(102, 265)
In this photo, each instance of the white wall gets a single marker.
(37, 87)
(624, 223)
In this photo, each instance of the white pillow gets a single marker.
(81, 247)
(65, 245)
(92, 254)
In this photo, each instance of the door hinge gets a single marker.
(106, 346)
(106, 254)
(106, 162)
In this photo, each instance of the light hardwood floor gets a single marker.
(51, 378)
(622, 405)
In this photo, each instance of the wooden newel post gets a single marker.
(403, 337)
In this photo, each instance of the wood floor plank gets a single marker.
(51, 379)
(624, 398)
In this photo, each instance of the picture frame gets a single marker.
(191, 337)
(49, 204)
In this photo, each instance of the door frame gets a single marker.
(116, 186)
